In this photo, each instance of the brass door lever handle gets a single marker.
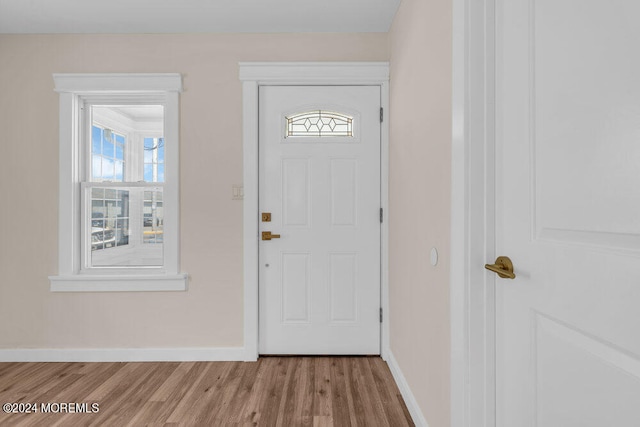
(266, 235)
(503, 267)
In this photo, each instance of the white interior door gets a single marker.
(568, 213)
(320, 183)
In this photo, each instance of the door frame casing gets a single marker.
(473, 304)
(256, 74)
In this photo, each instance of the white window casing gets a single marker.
(75, 91)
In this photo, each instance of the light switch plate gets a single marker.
(237, 192)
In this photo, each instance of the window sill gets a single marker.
(138, 283)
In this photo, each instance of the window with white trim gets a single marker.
(118, 203)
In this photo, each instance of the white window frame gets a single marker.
(75, 90)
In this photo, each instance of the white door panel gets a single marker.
(320, 281)
(568, 213)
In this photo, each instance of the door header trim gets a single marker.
(315, 73)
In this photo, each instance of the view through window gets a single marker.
(124, 189)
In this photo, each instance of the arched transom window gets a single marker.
(319, 123)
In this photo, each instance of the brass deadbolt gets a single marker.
(266, 235)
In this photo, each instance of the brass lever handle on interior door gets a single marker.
(503, 267)
(266, 235)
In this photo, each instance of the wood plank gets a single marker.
(27, 379)
(273, 391)
(248, 374)
(170, 384)
(304, 402)
(158, 412)
(286, 402)
(252, 411)
(5, 366)
(139, 394)
(120, 400)
(354, 394)
(18, 370)
(375, 402)
(190, 398)
(280, 391)
(213, 389)
(392, 402)
(340, 405)
(322, 405)
(298, 396)
(217, 411)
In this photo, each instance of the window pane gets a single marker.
(148, 155)
(120, 151)
(161, 150)
(107, 169)
(109, 143)
(97, 193)
(108, 148)
(126, 228)
(96, 140)
(97, 212)
(319, 123)
(148, 172)
(96, 167)
(154, 159)
(160, 173)
(119, 171)
(153, 218)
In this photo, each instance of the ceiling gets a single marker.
(195, 16)
(147, 113)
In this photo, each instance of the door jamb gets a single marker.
(473, 316)
(256, 74)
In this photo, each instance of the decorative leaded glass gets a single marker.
(319, 123)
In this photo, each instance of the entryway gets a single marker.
(315, 141)
(319, 257)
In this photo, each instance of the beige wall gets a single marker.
(420, 159)
(209, 314)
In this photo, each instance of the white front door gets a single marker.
(568, 213)
(320, 194)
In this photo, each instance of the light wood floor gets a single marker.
(275, 391)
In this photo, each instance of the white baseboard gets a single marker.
(407, 395)
(185, 354)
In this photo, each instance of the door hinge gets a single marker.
(381, 114)
(380, 314)
(381, 216)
